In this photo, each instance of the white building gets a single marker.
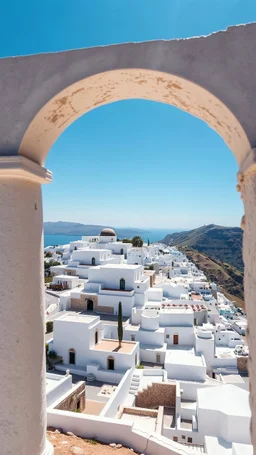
(67, 282)
(224, 412)
(78, 339)
(185, 365)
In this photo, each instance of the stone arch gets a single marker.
(211, 77)
(104, 88)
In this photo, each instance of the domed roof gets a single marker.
(107, 232)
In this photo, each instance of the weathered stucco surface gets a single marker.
(249, 256)
(22, 363)
(222, 64)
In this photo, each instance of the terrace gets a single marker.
(113, 346)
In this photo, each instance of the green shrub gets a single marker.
(140, 367)
(49, 326)
(52, 354)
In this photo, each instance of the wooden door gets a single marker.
(175, 339)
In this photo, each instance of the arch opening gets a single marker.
(111, 86)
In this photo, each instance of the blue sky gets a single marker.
(131, 163)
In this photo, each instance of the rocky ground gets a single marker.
(69, 444)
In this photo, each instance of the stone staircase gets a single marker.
(135, 382)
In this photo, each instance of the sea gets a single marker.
(153, 235)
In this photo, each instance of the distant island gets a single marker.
(217, 251)
(70, 228)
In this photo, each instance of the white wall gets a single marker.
(63, 385)
(109, 430)
(176, 318)
(123, 361)
(150, 338)
(118, 397)
(206, 347)
(186, 372)
(147, 355)
(78, 336)
(189, 389)
(110, 277)
(113, 299)
(186, 335)
(230, 428)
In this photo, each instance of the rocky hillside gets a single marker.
(228, 277)
(218, 242)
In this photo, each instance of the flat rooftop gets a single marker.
(144, 423)
(176, 310)
(183, 357)
(66, 277)
(113, 346)
(224, 353)
(77, 317)
(121, 266)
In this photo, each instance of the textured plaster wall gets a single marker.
(22, 364)
(249, 256)
(200, 75)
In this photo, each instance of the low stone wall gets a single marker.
(242, 363)
(104, 309)
(157, 394)
(75, 400)
(76, 304)
(141, 412)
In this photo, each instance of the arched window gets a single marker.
(122, 284)
(96, 336)
(93, 261)
(110, 363)
(72, 356)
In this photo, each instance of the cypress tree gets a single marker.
(120, 324)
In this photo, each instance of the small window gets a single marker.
(78, 405)
(138, 287)
(183, 437)
(72, 356)
(167, 335)
(175, 438)
(190, 440)
(122, 284)
(132, 337)
(111, 363)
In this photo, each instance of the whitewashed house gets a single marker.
(79, 340)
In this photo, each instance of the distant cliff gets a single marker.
(69, 228)
(218, 242)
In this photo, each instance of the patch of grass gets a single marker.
(92, 441)
(47, 279)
